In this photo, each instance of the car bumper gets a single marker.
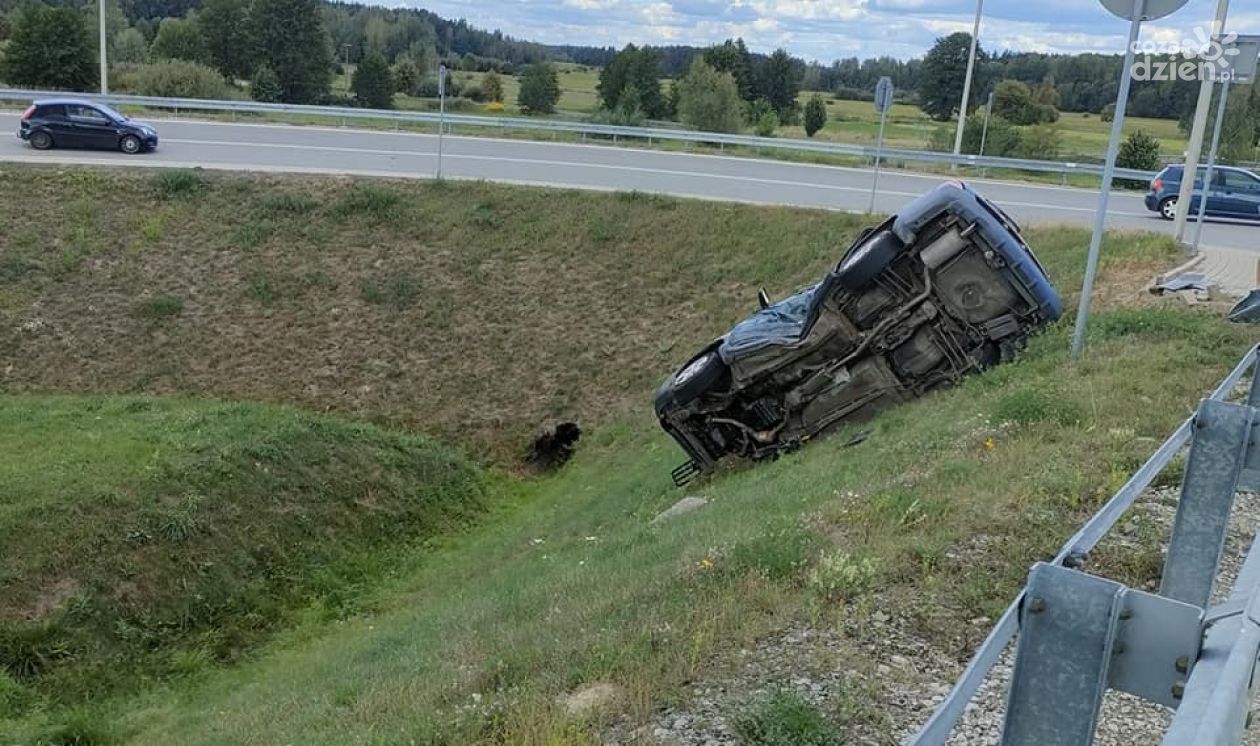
(1151, 202)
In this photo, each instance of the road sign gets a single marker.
(1144, 11)
(1241, 67)
(883, 94)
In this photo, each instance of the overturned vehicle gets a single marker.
(943, 289)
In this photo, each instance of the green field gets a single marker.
(475, 312)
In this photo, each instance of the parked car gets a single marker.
(945, 288)
(1234, 192)
(73, 123)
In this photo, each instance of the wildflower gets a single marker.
(989, 444)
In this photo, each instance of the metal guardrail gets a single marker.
(589, 129)
(1080, 634)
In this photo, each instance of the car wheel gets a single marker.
(699, 376)
(41, 140)
(129, 144)
(867, 260)
(1168, 208)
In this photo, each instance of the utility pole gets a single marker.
(971, 65)
(104, 65)
(1197, 131)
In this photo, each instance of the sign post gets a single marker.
(441, 114)
(1240, 67)
(883, 102)
(1134, 11)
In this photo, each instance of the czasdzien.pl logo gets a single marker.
(1205, 55)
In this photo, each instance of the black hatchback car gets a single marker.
(74, 123)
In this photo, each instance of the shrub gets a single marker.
(492, 87)
(767, 124)
(1032, 406)
(407, 76)
(182, 79)
(1139, 150)
(1040, 142)
(265, 85)
(778, 555)
(815, 115)
(540, 89)
(785, 717)
(1108, 113)
(1014, 101)
(839, 575)
(158, 307)
(178, 182)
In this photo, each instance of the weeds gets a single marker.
(840, 575)
(785, 717)
(158, 307)
(398, 292)
(372, 201)
(173, 183)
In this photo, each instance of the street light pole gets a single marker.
(1197, 131)
(104, 64)
(988, 114)
(971, 64)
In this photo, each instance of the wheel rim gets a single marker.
(1170, 208)
(40, 140)
(130, 144)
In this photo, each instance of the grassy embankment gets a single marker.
(475, 312)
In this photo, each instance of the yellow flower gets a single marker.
(706, 563)
(989, 444)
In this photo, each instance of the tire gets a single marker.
(41, 140)
(1168, 208)
(867, 259)
(699, 376)
(130, 144)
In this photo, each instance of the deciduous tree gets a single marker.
(292, 42)
(540, 89)
(709, 100)
(49, 48)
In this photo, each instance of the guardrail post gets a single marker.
(1067, 627)
(1222, 432)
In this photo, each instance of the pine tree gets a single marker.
(292, 42)
(224, 27)
(815, 115)
(265, 86)
(372, 83)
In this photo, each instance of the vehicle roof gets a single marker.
(1203, 167)
(63, 101)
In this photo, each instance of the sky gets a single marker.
(829, 29)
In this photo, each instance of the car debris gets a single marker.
(945, 288)
(1247, 310)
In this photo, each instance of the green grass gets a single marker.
(785, 717)
(471, 636)
(197, 528)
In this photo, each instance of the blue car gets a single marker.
(75, 123)
(945, 288)
(1234, 193)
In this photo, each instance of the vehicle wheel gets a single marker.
(700, 375)
(129, 144)
(41, 140)
(1168, 208)
(868, 260)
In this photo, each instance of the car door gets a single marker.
(1242, 194)
(92, 127)
(1217, 202)
(53, 118)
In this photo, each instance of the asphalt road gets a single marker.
(285, 148)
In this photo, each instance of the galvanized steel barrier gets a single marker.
(590, 129)
(1080, 634)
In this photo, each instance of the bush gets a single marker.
(785, 717)
(841, 575)
(182, 79)
(265, 86)
(372, 83)
(815, 115)
(492, 87)
(178, 183)
(1139, 150)
(158, 307)
(540, 89)
(1040, 142)
(1014, 101)
(1108, 113)
(767, 124)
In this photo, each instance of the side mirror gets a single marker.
(763, 299)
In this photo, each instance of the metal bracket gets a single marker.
(1222, 432)
(1080, 635)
